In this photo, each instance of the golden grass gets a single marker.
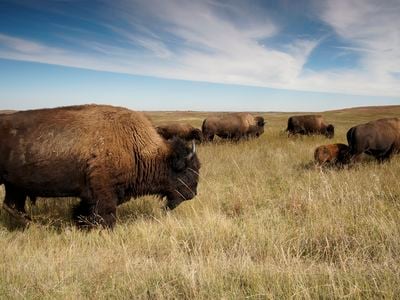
(265, 224)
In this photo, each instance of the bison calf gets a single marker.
(333, 154)
(103, 155)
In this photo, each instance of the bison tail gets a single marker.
(289, 125)
(203, 125)
(206, 135)
(350, 140)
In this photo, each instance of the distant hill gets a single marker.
(360, 109)
(378, 109)
(7, 111)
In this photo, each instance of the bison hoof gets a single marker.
(19, 216)
(90, 222)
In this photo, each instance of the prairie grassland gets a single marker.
(265, 224)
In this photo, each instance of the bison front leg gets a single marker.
(106, 211)
(235, 137)
(100, 200)
(90, 213)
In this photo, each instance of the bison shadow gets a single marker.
(56, 213)
(312, 165)
(53, 213)
(10, 223)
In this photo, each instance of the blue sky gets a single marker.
(200, 55)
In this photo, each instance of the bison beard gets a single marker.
(102, 154)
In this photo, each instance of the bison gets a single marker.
(233, 126)
(379, 138)
(102, 154)
(333, 154)
(183, 130)
(309, 124)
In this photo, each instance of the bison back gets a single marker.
(379, 138)
(49, 152)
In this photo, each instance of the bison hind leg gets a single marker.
(208, 137)
(14, 203)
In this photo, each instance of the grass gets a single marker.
(265, 224)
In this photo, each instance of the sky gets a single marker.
(209, 55)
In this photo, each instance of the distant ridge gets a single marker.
(367, 108)
(376, 108)
(7, 111)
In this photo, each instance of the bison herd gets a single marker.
(106, 155)
(233, 126)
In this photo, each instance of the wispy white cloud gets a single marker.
(373, 30)
(21, 45)
(229, 43)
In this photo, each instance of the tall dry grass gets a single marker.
(265, 224)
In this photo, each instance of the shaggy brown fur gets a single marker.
(102, 154)
(233, 126)
(380, 138)
(333, 154)
(183, 130)
(309, 124)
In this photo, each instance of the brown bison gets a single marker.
(380, 138)
(309, 124)
(233, 126)
(182, 130)
(102, 154)
(333, 154)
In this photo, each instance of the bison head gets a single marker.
(196, 134)
(257, 129)
(330, 131)
(183, 173)
(260, 121)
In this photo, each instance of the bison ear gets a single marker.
(180, 154)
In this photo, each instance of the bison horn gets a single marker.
(193, 150)
(193, 147)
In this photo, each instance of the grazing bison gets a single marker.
(102, 154)
(380, 138)
(333, 154)
(309, 124)
(183, 130)
(233, 126)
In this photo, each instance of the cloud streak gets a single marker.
(215, 42)
(373, 30)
